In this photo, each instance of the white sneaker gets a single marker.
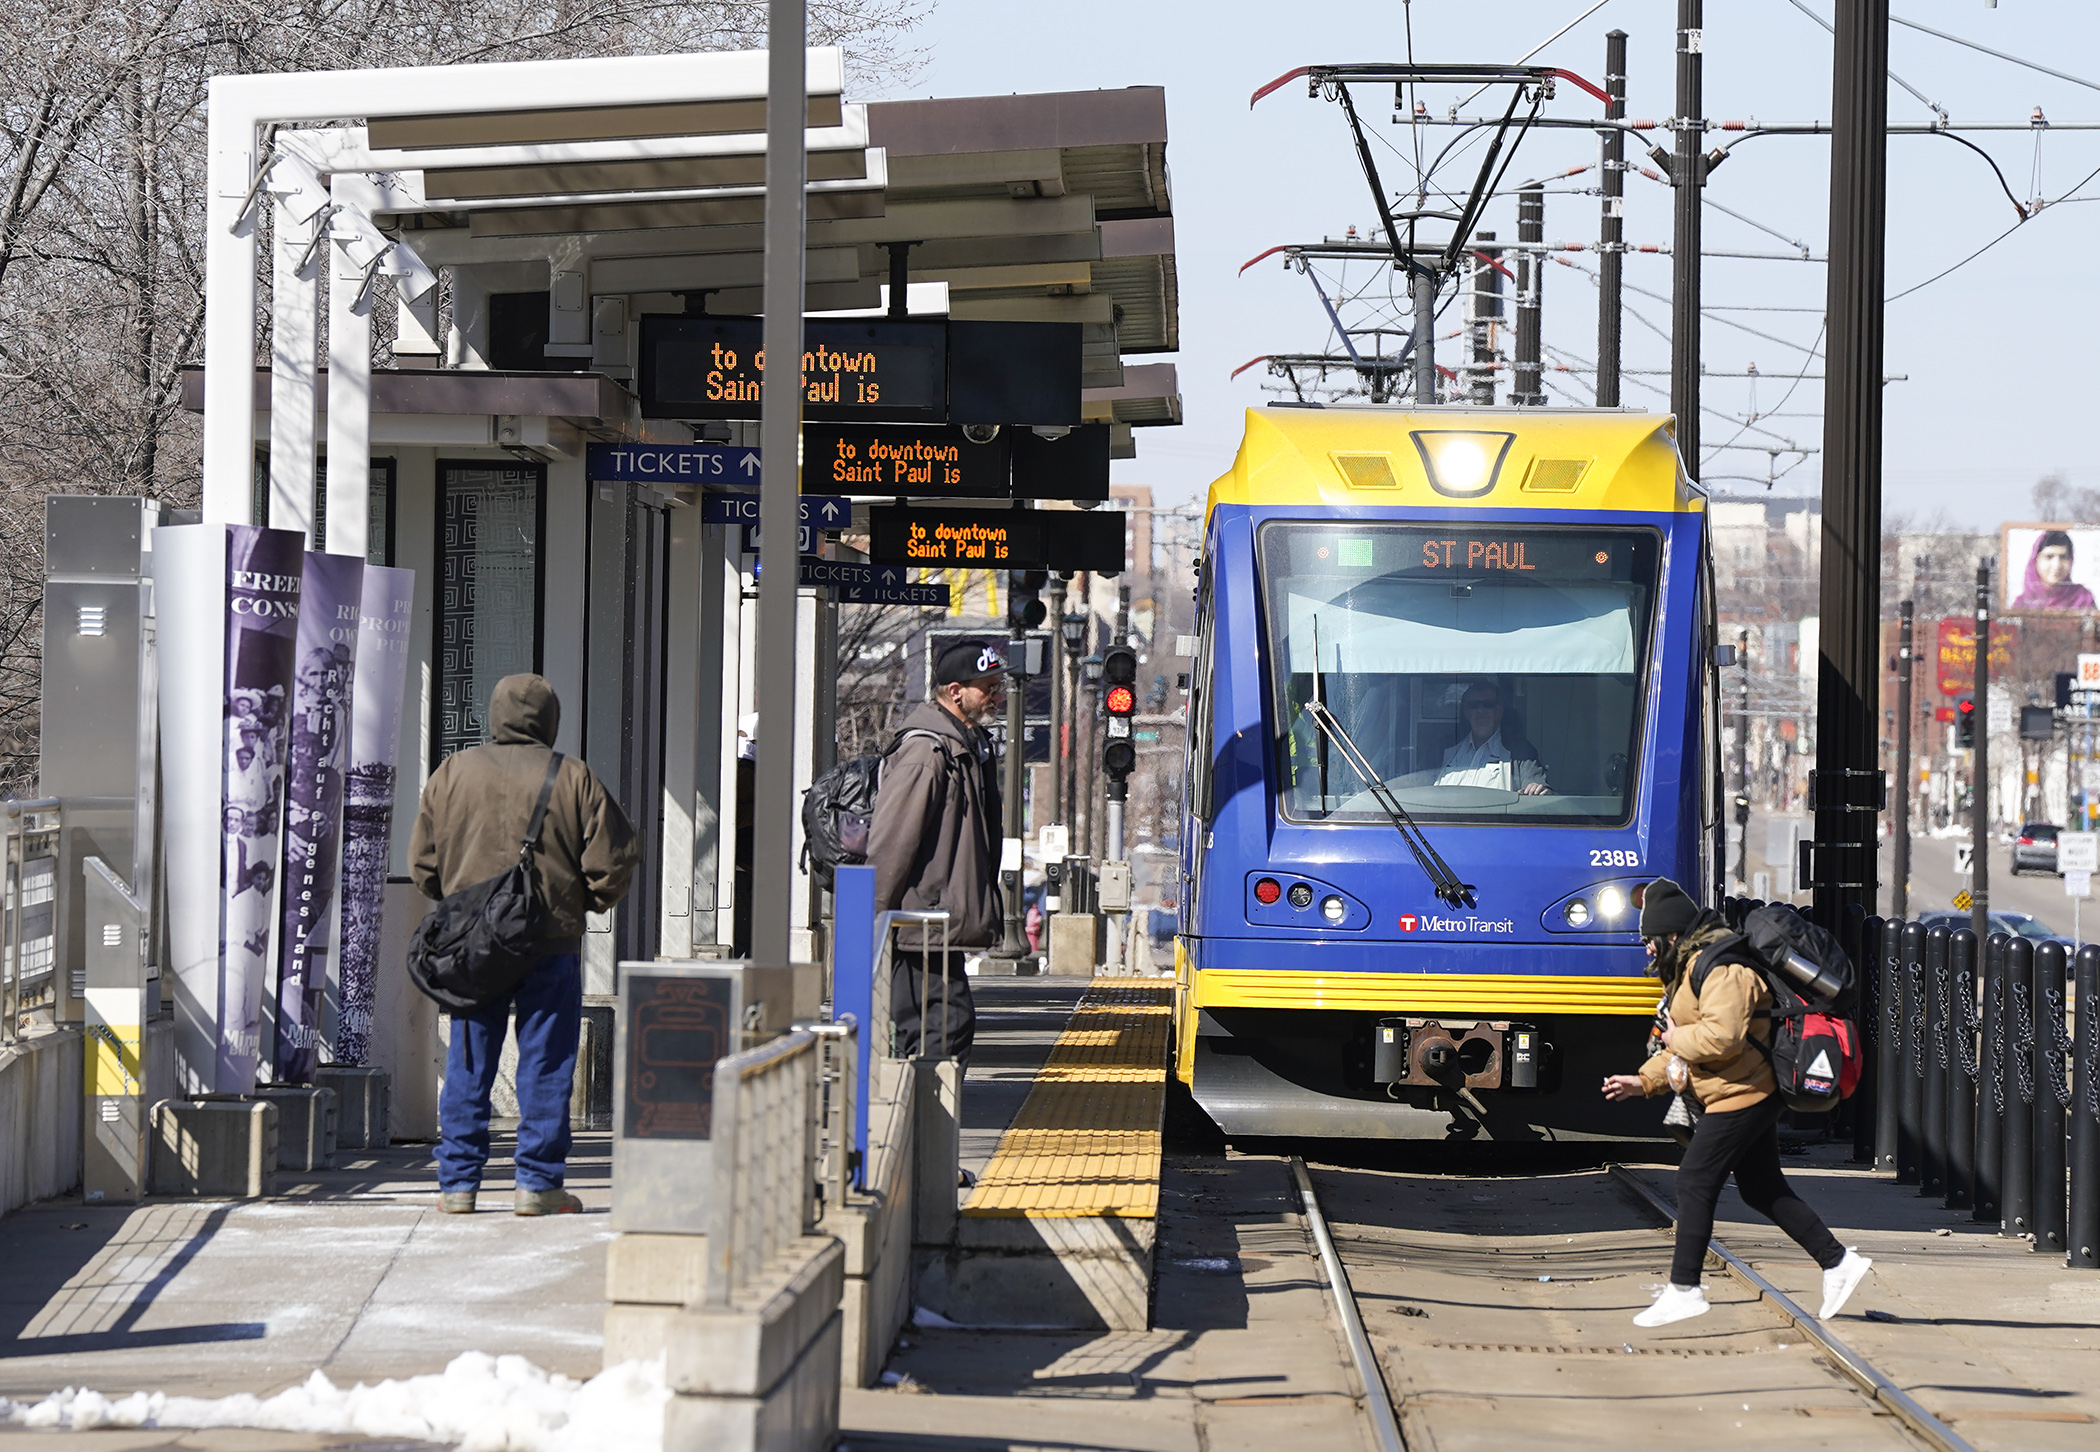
(1676, 1303)
(1841, 1280)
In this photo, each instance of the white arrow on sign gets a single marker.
(750, 464)
(831, 510)
(889, 577)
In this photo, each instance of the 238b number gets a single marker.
(1612, 857)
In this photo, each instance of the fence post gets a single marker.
(722, 1217)
(1991, 1088)
(1865, 1105)
(1959, 1045)
(2017, 1183)
(1933, 998)
(1888, 1042)
(2085, 1118)
(1910, 1082)
(2051, 1098)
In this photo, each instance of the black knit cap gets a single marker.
(1665, 910)
(967, 660)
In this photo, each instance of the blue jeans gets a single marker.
(549, 1001)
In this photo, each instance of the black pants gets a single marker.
(947, 1020)
(1745, 1142)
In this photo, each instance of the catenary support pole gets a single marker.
(1425, 337)
(1485, 313)
(1899, 822)
(2085, 1119)
(1013, 941)
(1961, 1071)
(1848, 679)
(780, 483)
(1054, 662)
(2049, 1092)
(1742, 761)
(1687, 175)
(1526, 390)
(1611, 234)
(1980, 776)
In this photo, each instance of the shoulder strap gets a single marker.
(539, 808)
(1709, 958)
(941, 740)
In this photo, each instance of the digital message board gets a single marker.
(714, 368)
(997, 539)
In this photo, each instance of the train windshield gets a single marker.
(1489, 675)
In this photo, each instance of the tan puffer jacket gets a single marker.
(1716, 1031)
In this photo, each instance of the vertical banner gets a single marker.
(319, 756)
(263, 578)
(226, 598)
(368, 811)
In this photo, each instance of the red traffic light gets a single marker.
(1121, 700)
(1966, 705)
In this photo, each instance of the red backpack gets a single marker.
(1815, 1045)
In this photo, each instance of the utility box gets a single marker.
(363, 1100)
(1115, 887)
(221, 1146)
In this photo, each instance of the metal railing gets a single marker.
(882, 1036)
(30, 834)
(766, 1109)
(838, 1079)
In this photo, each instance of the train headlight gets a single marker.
(1611, 902)
(1333, 909)
(1577, 913)
(1301, 896)
(1462, 463)
(1267, 891)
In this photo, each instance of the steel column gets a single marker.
(1980, 774)
(780, 480)
(1526, 390)
(1688, 176)
(1848, 680)
(1424, 286)
(1611, 232)
(1899, 823)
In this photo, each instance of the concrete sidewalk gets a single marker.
(353, 1272)
(1992, 1338)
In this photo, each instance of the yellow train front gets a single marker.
(1454, 701)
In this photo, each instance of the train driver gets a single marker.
(1481, 757)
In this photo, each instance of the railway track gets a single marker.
(1486, 1312)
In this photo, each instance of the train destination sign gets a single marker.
(997, 539)
(714, 368)
(936, 460)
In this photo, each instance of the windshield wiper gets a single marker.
(1449, 889)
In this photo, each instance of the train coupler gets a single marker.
(1456, 1054)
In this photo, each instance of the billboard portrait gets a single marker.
(2050, 566)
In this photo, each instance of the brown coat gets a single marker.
(934, 843)
(479, 801)
(1713, 1030)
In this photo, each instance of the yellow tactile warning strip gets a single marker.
(1086, 1141)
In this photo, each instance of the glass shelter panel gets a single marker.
(1488, 674)
(488, 625)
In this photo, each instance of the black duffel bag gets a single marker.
(479, 942)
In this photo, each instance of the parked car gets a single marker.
(2035, 848)
(2021, 925)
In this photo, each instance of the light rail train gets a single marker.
(1455, 698)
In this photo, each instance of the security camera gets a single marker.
(980, 433)
(1051, 432)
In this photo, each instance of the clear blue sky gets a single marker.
(1998, 355)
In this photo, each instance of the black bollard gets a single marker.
(2052, 1097)
(2085, 1117)
(1991, 1087)
(1866, 953)
(1910, 1072)
(2016, 1184)
(1960, 1040)
(1888, 1041)
(1933, 995)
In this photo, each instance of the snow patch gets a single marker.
(480, 1403)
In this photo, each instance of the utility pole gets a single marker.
(1425, 336)
(1486, 312)
(1688, 176)
(1980, 777)
(1851, 786)
(780, 479)
(1899, 890)
(1742, 761)
(1611, 260)
(1527, 391)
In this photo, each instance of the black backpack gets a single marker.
(1815, 1046)
(838, 810)
(478, 943)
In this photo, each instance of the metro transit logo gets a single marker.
(1409, 922)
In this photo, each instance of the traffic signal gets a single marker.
(1965, 721)
(1024, 598)
(1119, 682)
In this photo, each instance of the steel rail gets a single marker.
(1384, 1421)
(1921, 1422)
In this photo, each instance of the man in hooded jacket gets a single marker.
(1716, 994)
(475, 812)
